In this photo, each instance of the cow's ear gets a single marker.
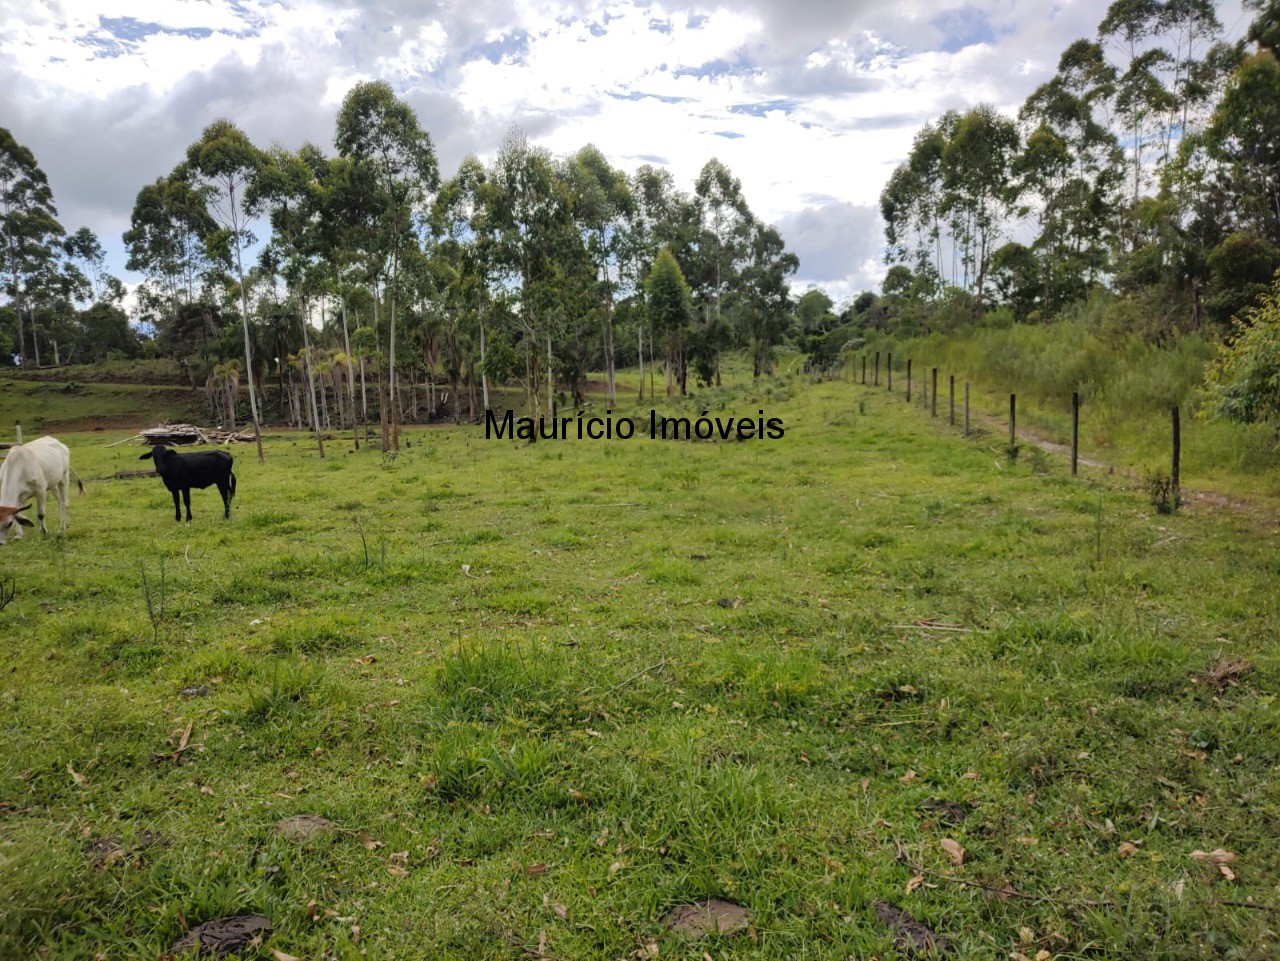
(24, 521)
(146, 456)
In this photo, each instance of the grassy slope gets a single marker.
(660, 671)
(1126, 387)
(114, 394)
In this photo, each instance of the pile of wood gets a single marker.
(175, 434)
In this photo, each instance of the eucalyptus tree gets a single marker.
(1068, 173)
(529, 214)
(660, 216)
(764, 295)
(30, 227)
(1194, 29)
(466, 240)
(381, 134)
(669, 302)
(165, 241)
(602, 204)
(289, 185)
(1141, 98)
(978, 192)
(727, 226)
(221, 165)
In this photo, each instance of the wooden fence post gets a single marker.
(953, 400)
(888, 371)
(877, 380)
(933, 412)
(864, 370)
(1013, 420)
(966, 409)
(908, 380)
(1177, 452)
(1075, 431)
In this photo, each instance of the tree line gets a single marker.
(379, 289)
(1145, 172)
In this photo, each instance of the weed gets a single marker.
(1162, 493)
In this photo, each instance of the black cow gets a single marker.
(181, 472)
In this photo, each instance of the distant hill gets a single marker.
(107, 396)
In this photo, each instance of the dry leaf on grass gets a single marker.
(1219, 859)
(954, 850)
(909, 777)
(1127, 849)
(558, 909)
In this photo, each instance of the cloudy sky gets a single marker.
(811, 103)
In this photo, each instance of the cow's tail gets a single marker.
(232, 475)
(79, 482)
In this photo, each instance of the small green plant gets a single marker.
(8, 590)
(1163, 492)
(154, 600)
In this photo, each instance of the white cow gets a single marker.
(33, 469)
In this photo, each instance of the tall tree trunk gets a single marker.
(311, 383)
(391, 357)
(551, 380)
(640, 354)
(382, 385)
(351, 381)
(484, 377)
(244, 323)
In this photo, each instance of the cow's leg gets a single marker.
(62, 492)
(225, 490)
(186, 500)
(177, 508)
(42, 495)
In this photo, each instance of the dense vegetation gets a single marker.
(374, 273)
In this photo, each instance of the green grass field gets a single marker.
(546, 693)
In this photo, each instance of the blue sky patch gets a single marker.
(641, 95)
(130, 29)
(762, 107)
(509, 46)
(729, 134)
(963, 28)
(716, 68)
